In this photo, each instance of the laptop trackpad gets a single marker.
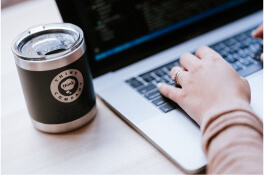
(179, 136)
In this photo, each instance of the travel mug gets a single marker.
(55, 76)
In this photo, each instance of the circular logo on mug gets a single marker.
(67, 86)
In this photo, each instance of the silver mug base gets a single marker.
(65, 127)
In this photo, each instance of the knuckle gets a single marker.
(200, 66)
(182, 94)
(194, 69)
(197, 67)
(184, 56)
(188, 81)
(214, 58)
(201, 49)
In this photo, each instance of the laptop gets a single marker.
(132, 45)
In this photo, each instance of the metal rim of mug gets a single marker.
(56, 61)
(66, 127)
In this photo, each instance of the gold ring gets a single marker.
(176, 76)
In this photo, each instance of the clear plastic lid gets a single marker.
(47, 42)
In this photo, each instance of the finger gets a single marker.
(205, 52)
(258, 33)
(188, 60)
(180, 76)
(171, 92)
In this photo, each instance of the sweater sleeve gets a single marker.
(233, 139)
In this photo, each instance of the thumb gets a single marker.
(171, 92)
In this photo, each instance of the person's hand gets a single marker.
(207, 81)
(258, 33)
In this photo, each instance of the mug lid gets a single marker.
(46, 42)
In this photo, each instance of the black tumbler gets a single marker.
(55, 76)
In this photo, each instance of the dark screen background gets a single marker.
(114, 22)
(110, 23)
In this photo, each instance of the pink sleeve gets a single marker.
(233, 140)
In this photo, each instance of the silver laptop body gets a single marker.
(173, 133)
(126, 39)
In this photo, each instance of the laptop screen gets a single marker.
(119, 26)
(117, 31)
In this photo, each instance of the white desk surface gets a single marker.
(105, 146)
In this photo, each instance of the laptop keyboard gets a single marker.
(241, 51)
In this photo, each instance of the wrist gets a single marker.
(222, 108)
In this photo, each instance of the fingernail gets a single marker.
(158, 85)
(253, 33)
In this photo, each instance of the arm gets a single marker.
(218, 99)
(233, 140)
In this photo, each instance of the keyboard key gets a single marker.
(253, 49)
(227, 49)
(248, 41)
(163, 80)
(240, 37)
(177, 62)
(249, 53)
(243, 46)
(256, 57)
(167, 107)
(152, 94)
(147, 77)
(171, 65)
(218, 47)
(250, 69)
(259, 41)
(257, 48)
(235, 47)
(248, 33)
(159, 72)
(230, 42)
(235, 56)
(239, 51)
(236, 67)
(134, 83)
(147, 88)
(229, 58)
(242, 54)
(159, 101)
(246, 61)
(223, 53)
